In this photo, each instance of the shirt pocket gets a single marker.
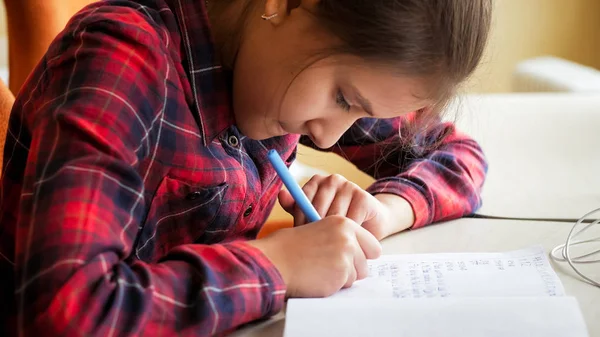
(180, 213)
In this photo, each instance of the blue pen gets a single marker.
(301, 200)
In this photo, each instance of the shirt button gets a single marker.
(233, 141)
(248, 211)
(193, 196)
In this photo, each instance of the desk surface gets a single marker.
(478, 235)
(543, 152)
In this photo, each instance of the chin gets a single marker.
(321, 145)
(253, 133)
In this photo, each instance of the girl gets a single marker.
(136, 178)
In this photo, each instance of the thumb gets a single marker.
(286, 201)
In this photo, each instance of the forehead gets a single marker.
(389, 92)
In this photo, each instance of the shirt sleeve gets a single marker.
(92, 117)
(437, 169)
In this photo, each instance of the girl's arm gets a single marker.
(88, 117)
(439, 171)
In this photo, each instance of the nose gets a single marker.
(325, 133)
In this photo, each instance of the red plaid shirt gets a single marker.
(128, 192)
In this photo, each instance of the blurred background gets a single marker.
(523, 29)
(536, 45)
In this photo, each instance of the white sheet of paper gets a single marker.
(371, 287)
(525, 272)
(436, 317)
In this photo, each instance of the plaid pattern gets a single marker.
(128, 192)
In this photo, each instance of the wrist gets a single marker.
(268, 247)
(399, 214)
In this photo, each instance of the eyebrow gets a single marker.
(365, 103)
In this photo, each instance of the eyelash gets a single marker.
(341, 101)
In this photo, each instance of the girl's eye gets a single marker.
(341, 101)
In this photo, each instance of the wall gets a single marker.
(528, 28)
(3, 51)
(2, 20)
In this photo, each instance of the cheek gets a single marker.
(252, 96)
(258, 87)
(244, 97)
(305, 101)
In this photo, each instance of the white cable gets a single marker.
(565, 249)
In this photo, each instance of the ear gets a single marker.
(277, 9)
(282, 8)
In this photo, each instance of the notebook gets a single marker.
(512, 294)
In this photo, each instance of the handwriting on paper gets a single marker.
(524, 272)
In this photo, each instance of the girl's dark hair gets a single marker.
(440, 40)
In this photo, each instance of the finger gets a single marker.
(323, 199)
(364, 206)
(341, 203)
(360, 264)
(310, 189)
(368, 243)
(286, 201)
(351, 275)
(299, 217)
(359, 207)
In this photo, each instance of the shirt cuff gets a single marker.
(273, 293)
(410, 192)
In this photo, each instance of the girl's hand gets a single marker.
(320, 258)
(382, 215)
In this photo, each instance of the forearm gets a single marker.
(445, 185)
(94, 214)
(441, 182)
(199, 290)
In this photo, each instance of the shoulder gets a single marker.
(112, 61)
(123, 22)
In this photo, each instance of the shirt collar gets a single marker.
(210, 83)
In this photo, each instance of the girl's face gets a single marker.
(281, 86)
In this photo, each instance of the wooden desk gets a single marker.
(543, 151)
(479, 235)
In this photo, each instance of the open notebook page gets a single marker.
(525, 272)
(558, 316)
(509, 294)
